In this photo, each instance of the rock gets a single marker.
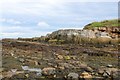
(106, 74)
(55, 76)
(8, 74)
(50, 64)
(25, 67)
(109, 65)
(21, 60)
(61, 67)
(26, 75)
(19, 72)
(85, 75)
(84, 56)
(66, 65)
(82, 65)
(88, 33)
(38, 74)
(73, 57)
(86, 68)
(67, 57)
(113, 72)
(73, 76)
(13, 70)
(96, 74)
(113, 69)
(89, 69)
(60, 57)
(101, 70)
(11, 54)
(36, 63)
(48, 71)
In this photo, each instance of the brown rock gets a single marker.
(85, 75)
(48, 71)
(86, 68)
(60, 57)
(61, 68)
(66, 65)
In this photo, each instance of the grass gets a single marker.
(105, 23)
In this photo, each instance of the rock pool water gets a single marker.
(37, 70)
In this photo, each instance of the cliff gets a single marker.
(107, 28)
(97, 31)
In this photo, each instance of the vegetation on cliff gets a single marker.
(105, 23)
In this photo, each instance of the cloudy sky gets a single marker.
(33, 18)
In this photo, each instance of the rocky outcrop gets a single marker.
(107, 29)
(112, 32)
(81, 33)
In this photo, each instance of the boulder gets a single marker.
(82, 65)
(48, 71)
(86, 68)
(109, 66)
(85, 75)
(106, 74)
(89, 69)
(101, 70)
(37, 63)
(60, 57)
(14, 70)
(66, 65)
(73, 76)
(61, 67)
(67, 57)
(21, 60)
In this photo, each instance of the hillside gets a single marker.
(105, 23)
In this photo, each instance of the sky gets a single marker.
(34, 18)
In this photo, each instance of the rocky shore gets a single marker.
(33, 60)
(88, 54)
